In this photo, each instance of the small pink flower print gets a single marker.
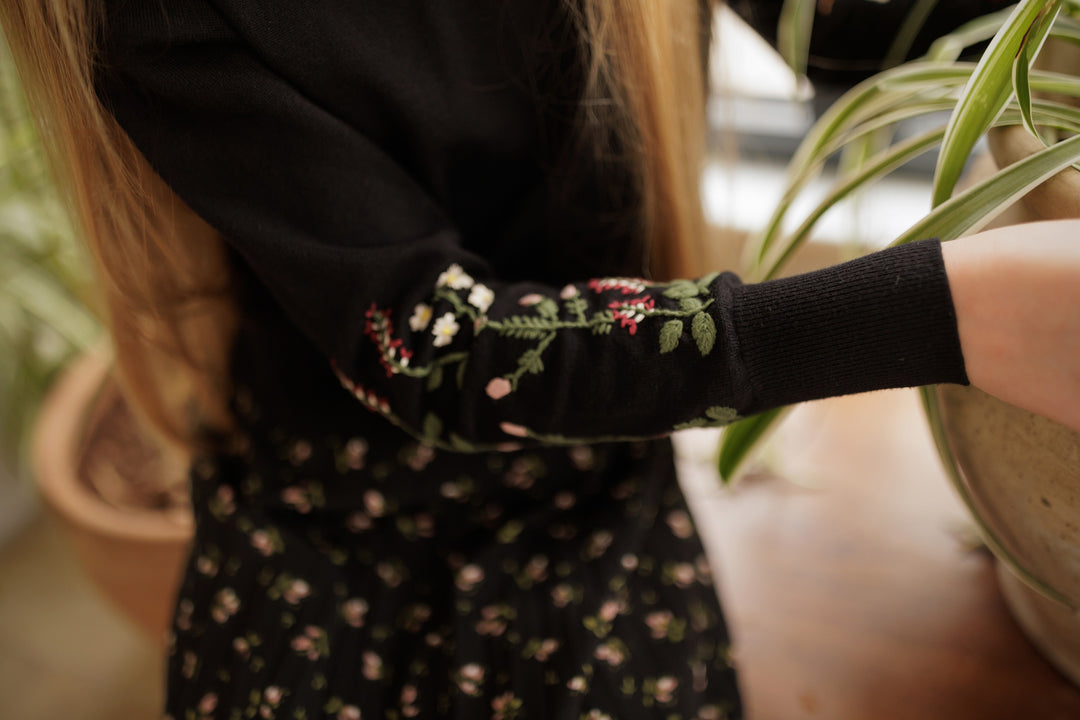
(658, 623)
(354, 610)
(561, 595)
(680, 524)
(183, 614)
(547, 649)
(564, 500)
(433, 640)
(568, 292)
(358, 522)
(374, 503)
(582, 457)
(665, 688)
(349, 712)
(206, 566)
(530, 299)
(242, 647)
(208, 703)
(296, 498)
(498, 388)
(710, 712)
(514, 429)
(536, 568)
(473, 672)
(595, 714)
(409, 694)
(610, 610)
(261, 541)
(296, 591)
(704, 570)
(610, 653)
(629, 562)
(469, 577)
(390, 574)
(421, 457)
(300, 452)
(302, 644)
(577, 684)
(226, 498)
(505, 707)
(273, 694)
(355, 452)
(683, 574)
(226, 604)
(599, 543)
(507, 447)
(372, 665)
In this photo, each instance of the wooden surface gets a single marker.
(851, 586)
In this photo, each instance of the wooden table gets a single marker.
(851, 585)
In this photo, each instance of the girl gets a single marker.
(381, 267)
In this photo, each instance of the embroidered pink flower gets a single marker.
(665, 689)
(296, 498)
(683, 574)
(530, 299)
(610, 610)
(629, 562)
(498, 388)
(273, 694)
(577, 684)
(627, 286)
(658, 623)
(568, 292)
(514, 429)
(262, 542)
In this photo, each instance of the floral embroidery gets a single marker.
(446, 327)
(420, 318)
(481, 297)
(454, 277)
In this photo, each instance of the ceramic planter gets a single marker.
(134, 555)
(1020, 473)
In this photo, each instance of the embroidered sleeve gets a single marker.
(478, 363)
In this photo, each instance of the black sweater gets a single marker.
(399, 178)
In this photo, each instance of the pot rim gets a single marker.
(55, 443)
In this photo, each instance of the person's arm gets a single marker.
(426, 332)
(1017, 295)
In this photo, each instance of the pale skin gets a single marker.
(1017, 296)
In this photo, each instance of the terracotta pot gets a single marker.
(135, 555)
(1019, 472)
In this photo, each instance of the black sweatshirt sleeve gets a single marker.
(422, 329)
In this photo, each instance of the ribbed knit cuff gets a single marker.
(885, 320)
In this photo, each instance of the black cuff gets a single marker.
(885, 320)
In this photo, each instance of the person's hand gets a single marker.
(1017, 296)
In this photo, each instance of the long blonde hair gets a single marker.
(163, 271)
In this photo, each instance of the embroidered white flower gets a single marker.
(420, 318)
(445, 329)
(455, 277)
(481, 297)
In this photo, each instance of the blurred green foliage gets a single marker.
(45, 316)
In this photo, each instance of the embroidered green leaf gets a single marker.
(681, 289)
(432, 426)
(722, 414)
(703, 329)
(577, 306)
(461, 444)
(703, 284)
(670, 335)
(547, 308)
(531, 362)
(434, 380)
(691, 304)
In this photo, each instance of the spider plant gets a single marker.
(44, 313)
(1002, 88)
